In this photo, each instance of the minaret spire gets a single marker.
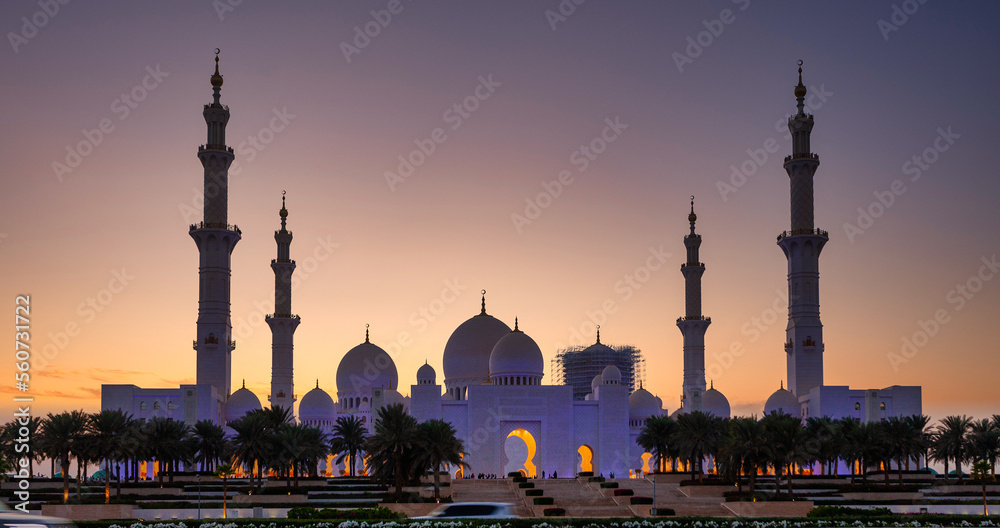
(282, 322)
(694, 324)
(216, 240)
(598, 334)
(484, 303)
(802, 246)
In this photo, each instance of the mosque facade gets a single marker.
(493, 389)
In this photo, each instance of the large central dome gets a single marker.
(366, 367)
(467, 353)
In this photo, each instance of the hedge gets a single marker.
(554, 512)
(525, 485)
(607, 485)
(641, 500)
(542, 501)
(536, 492)
(624, 492)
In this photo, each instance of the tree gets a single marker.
(108, 429)
(224, 471)
(785, 435)
(851, 446)
(252, 444)
(697, 436)
(656, 437)
(923, 438)
(60, 435)
(984, 443)
(438, 445)
(981, 472)
(745, 445)
(825, 442)
(210, 444)
(297, 446)
(168, 442)
(391, 447)
(348, 440)
(951, 441)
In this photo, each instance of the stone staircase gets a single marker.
(489, 490)
(669, 495)
(580, 499)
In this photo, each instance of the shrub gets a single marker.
(662, 511)
(554, 512)
(641, 500)
(525, 485)
(533, 492)
(514, 474)
(595, 479)
(519, 479)
(609, 484)
(586, 474)
(844, 511)
(624, 492)
(360, 514)
(543, 501)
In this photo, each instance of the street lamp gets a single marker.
(199, 496)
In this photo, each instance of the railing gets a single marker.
(788, 344)
(213, 225)
(802, 156)
(282, 316)
(202, 148)
(695, 318)
(283, 261)
(796, 232)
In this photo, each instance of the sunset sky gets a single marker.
(696, 89)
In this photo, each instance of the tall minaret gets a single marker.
(282, 322)
(215, 239)
(802, 246)
(693, 325)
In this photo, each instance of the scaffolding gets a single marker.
(577, 366)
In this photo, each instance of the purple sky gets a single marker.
(381, 251)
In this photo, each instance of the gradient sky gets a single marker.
(125, 209)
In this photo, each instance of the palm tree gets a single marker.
(391, 447)
(224, 471)
(349, 435)
(952, 442)
(981, 472)
(984, 443)
(656, 438)
(922, 437)
(438, 446)
(252, 444)
(851, 445)
(210, 442)
(168, 443)
(825, 442)
(9, 448)
(785, 442)
(60, 434)
(697, 436)
(296, 446)
(745, 445)
(108, 429)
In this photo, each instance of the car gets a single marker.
(14, 519)
(475, 510)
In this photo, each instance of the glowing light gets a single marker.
(528, 466)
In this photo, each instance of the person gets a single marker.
(543, 473)
(555, 474)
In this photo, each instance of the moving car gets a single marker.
(14, 519)
(475, 510)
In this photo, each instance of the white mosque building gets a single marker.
(492, 391)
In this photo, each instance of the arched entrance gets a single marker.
(646, 457)
(585, 459)
(520, 449)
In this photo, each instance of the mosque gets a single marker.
(492, 390)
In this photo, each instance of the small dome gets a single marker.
(611, 375)
(594, 383)
(239, 404)
(714, 402)
(426, 375)
(317, 405)
(516, 354)
(783, 401)
(392, 397)
(366, 367)
(467, 353)
(642, 404)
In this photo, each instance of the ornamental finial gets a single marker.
(484, 303)
(598, 334)
(515, 324)
(800, 91)
(366, 333)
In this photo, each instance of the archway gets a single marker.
(585, 459)
(520, 450)
(646, 457)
